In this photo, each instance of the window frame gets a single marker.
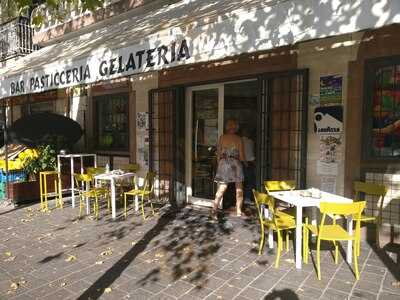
(96, 128)
(370, 68)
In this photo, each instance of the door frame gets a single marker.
(189, 136)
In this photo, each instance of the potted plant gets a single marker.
(44, 158)
(44, 161)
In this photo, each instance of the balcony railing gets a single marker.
(16, 38)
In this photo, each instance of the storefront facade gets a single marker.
(162, 102)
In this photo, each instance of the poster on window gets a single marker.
(328, 120)
(143, 149)
(328, 184)
(330, 89)
(142, 121)
(386, 112)
(330, 148)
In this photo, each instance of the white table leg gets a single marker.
(113, 200)
(87, 199)
(270, 231)
(72, 183)
(349, 243)
(299, 226)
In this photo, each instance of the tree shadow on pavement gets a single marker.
(97, 288)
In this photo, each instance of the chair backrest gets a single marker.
(82, 178)
(371, 189)
(279, 185)
(95, 171)
(149, 181)
(131, 167)
(262, 199)
(347, 209)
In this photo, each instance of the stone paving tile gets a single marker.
(227, 291)
(178, 288)
(388, 296)
(252, 293)
(180, 257)
(332, 294)
(341, 286)
(364, 294)
(306, 292)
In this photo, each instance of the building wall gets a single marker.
(329, 56)
(142, 84)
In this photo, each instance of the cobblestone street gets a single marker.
(170, 256)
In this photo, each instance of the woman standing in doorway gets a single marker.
(230, 155)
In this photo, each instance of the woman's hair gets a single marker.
(232, 121)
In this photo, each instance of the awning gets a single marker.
(190, 31)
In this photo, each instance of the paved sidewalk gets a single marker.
(170, 256)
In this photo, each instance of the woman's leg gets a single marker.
(218, 196)
(239, 197)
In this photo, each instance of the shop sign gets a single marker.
(121, 62)
(328, 119)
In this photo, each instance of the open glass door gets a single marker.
(204, 126)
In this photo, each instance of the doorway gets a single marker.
(208, 109)
(185, 123)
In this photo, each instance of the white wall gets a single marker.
(329, 56)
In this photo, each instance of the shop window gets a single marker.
(37, 107)
(383, 109)
(112, 122)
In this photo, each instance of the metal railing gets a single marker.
(16, 38)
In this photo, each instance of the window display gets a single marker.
(112, 122)
(386, 112)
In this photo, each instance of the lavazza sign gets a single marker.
(122, 62)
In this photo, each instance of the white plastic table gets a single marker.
(72, 157)
(295, 198)
(113, 178)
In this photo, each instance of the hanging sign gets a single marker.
(328, 119)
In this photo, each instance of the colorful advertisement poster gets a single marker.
(386, 113)
(330, 89)
(328, 120)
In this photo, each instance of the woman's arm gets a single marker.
(241, 149)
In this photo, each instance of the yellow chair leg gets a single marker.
(80, 205)
(355, 260)
(319, 259)
(97, 207)
(305, 252)
(151, 205)
(287, 241)
(262, 241)
(279, 249)
(41, 191)
(46, 206)
(125, 209)
(336, 252)
(144, 216)
(377, 239)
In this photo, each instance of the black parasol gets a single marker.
(39, 128)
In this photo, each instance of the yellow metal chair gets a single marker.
(95, 170)
(280, 185)
(275, 222)
(84, 183)
(146, 191)
(131, 168)
(371, 189)
(44, 192)
(334, 232)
